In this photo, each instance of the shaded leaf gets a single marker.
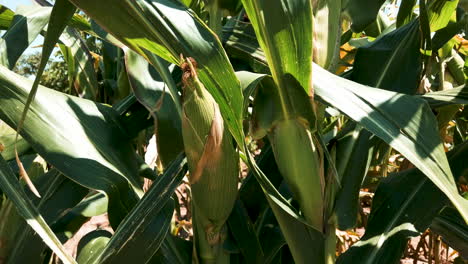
(141, 233)
(153, 93)
(454, 231)
(76, 136)
(392, 62)
(404, 205)
(10, 185)
(360, 20)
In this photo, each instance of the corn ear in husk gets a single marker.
(289, 122)
(213, 164)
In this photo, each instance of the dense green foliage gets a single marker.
(278, 112)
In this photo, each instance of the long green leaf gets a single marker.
(7, 139)
(61, 13)
(386, 114)
(327, 33)
(79, 61)
(352, 156)
(284, 30)
(457, 95)
(77, 137)
(26, 209)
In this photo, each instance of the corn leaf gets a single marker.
(10, 185)
(76, 136)
(6, 16)
(59, 194)
(450, 225)
(152, 92)
(458, 95)
(392, 62)
(404, 206)
(26, 25)
(93, 242)
(352, 156)
(7, 140)
(167, 28)
(327, 33)
(386, 114)
(405, 12)
(282, 27)
(243, 231)
(148, 223)
(360, 20)
(81, 72)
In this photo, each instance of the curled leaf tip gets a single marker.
(25, 176)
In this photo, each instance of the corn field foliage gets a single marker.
(273, 118)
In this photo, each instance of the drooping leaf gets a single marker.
(76, 136)
(60, 15)
(404, 206)
(59, 194)
(10, 185)
(404, 122)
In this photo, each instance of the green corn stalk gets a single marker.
(213, 164)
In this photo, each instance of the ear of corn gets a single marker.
(213, 165)
(299, 162)
(289, 124)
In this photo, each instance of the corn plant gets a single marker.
(272, 114)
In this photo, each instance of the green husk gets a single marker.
(213, 164)
(299, 162)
